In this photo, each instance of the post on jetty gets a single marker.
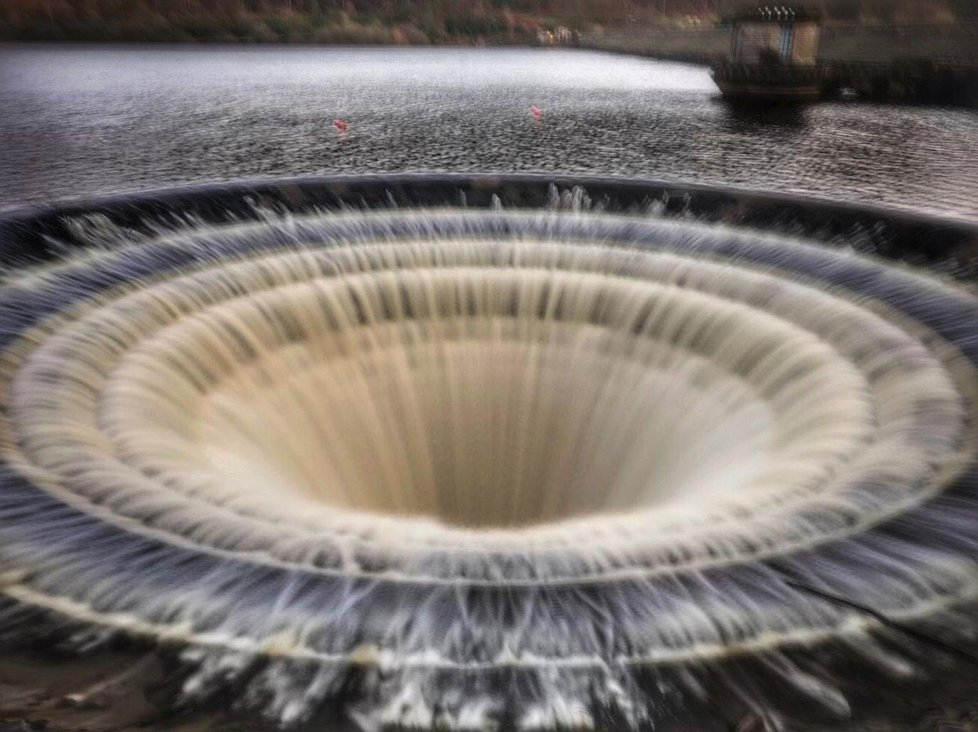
(773, 55)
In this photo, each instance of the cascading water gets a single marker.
(456, 465)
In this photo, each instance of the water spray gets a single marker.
(557, 456)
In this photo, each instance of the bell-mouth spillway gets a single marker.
(460, 449)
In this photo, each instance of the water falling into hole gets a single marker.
(496, 406)
(488, 460)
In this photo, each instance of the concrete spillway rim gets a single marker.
(481, 181)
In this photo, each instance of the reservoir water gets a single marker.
(500, 459)
(84, 120)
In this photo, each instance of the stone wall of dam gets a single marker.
(942, 44)
(697, 46)
(928, 64)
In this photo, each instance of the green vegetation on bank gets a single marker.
(200, 29)
(397, 21)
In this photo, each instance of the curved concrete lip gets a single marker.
(301, 191)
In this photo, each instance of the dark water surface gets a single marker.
(78, 121)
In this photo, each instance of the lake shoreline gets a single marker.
(922, 64)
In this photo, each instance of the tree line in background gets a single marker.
(401, 21)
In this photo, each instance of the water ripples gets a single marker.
(83, 121)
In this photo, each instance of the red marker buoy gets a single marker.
(536, 112)
(340, 125)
